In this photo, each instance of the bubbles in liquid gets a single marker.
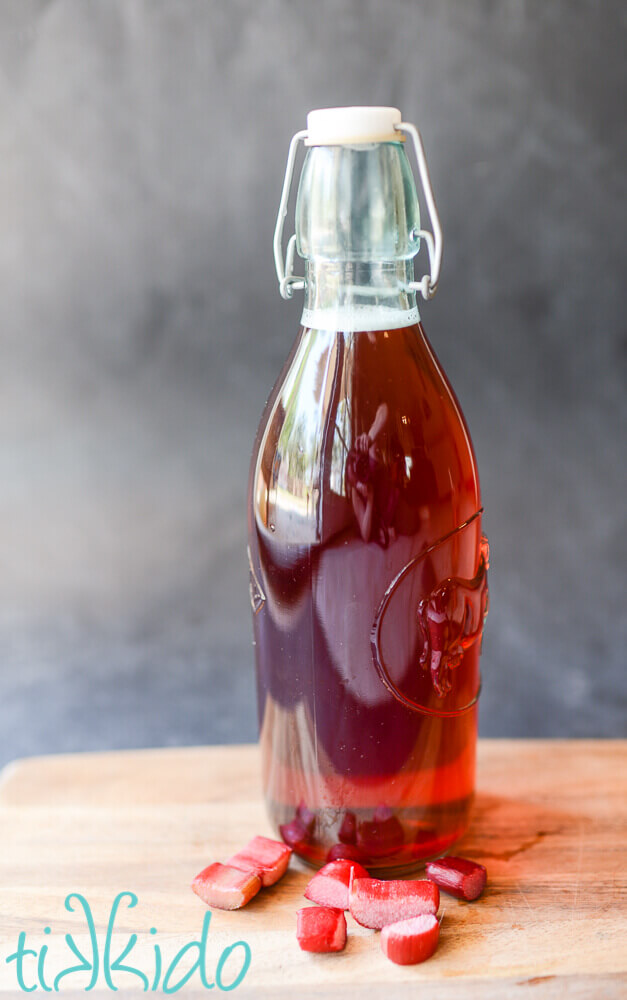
(359, 318)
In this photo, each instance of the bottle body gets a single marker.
(368, 593)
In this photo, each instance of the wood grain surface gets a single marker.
(549, 823)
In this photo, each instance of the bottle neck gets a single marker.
(359, 295)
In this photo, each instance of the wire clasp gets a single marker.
(288, 281)
(427, 285)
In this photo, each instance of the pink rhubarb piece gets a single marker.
(329, 886)
(265, 857)
(225, 887)
(458, 876)
(374, 903)
(408, 942)
(321, 928)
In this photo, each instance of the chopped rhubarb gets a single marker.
(458, 876)
(374, 903)
(348, 830)
(424, 841)
(265, 857)
(295, 834)
(329, 886)
(347, 851)
(408, 942)
(226, 887)
(306, 816)
(321, 928)
(381, 836)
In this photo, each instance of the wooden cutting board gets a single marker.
(549, 823)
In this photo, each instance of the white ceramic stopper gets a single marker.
(338, 126)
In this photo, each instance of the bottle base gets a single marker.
(390, 844)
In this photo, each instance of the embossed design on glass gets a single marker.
(451, 619)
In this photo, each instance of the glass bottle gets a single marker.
(367, 563)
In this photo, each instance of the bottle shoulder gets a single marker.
(363, 424)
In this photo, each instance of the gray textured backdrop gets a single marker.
(142, 148)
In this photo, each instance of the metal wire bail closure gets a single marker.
(288, 281)
(428, 284)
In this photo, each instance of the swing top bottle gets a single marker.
(368, 568)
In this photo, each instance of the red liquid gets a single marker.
(368, 587)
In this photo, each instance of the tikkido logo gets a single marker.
(49, 968)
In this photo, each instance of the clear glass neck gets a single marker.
(357, 227)
(359, 295)
(357, 203)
